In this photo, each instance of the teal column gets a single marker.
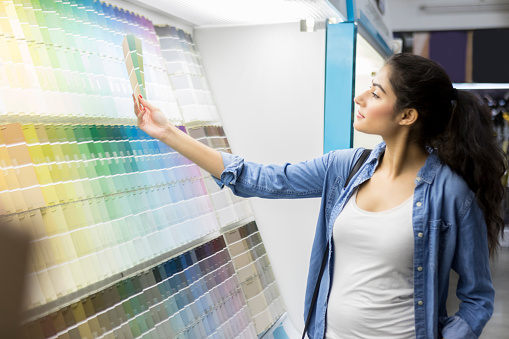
(341, 40)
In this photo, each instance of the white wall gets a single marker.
(268, 85)
(407, 15)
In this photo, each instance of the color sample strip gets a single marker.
(255, 274)
(194, 295)
(183, 65)
(133, 56)
(111, 198)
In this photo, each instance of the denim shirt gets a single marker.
(448, 225)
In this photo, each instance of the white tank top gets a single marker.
(372, 293)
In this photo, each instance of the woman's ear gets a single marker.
(408, 117)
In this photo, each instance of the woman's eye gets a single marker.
(374, 95)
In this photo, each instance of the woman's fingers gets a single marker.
(140, 114)
(136, 107)
(147, 104)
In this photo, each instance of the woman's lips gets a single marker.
(359, 115)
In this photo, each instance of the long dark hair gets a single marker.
(456, 124)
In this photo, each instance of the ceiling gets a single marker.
(216, 13)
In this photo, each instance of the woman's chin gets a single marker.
(357, 127)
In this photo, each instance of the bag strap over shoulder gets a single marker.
(365, 154)
(355, 169)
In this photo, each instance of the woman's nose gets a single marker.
(357, 99)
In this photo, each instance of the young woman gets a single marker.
(426, 201)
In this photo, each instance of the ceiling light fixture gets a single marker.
(481, 86)
(218, 13)
(447, 9)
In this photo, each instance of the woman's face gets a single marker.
(375, 114)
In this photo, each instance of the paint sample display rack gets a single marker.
(129, 238)
(223, 288)
(194, 295)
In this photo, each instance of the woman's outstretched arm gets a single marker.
(153, 122)
(246, 179)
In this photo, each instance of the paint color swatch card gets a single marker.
(133, 56)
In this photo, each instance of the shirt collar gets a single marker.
(426, 173)
(429, 170)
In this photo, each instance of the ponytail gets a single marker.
(469, 148)
(459, 127)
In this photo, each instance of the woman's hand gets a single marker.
(151, 120)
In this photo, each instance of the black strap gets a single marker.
(357, 166)
(355, 169)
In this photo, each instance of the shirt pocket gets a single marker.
(438, 233)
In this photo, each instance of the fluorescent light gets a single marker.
(480, 86)
(441, 9)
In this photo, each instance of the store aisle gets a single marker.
(498, 326)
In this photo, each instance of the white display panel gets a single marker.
(368, 62)
(268, 82)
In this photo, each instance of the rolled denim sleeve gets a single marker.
(232, 167)
(288, 181)
(475, 287)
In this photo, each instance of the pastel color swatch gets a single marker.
(183, 64)
(67, 56)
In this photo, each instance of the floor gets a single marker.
(498, 326)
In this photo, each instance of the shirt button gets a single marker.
(420, 303)
(418, 178)
(419, 204)
(419, 268)
(420, 235)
